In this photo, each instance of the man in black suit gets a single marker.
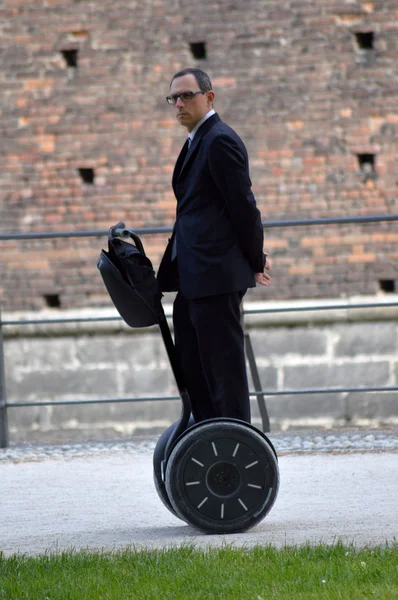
(215, 252)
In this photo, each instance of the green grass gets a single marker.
(260, 573)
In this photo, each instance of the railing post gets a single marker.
(3, 405)
(257, 384)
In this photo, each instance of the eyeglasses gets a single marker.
(184, 97)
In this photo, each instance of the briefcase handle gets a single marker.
(121, 231)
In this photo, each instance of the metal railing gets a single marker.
(42, 235)
(259, 393)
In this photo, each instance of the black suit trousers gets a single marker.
(209, 342)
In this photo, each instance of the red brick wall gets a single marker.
(287, 76)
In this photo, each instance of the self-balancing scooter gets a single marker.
(219, 475)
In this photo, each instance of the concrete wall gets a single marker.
(317, 349)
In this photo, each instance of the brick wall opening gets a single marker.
(87, 175)
(387, 285)
(52, 300)
(198, 50)
(70, 57)
(364, 46)
(364, 40)
(367, 167)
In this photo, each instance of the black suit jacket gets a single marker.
(218, 227)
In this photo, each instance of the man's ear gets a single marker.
(210, 97)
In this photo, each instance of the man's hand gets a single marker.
(263, 278)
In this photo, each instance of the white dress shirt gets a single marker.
(192, 134)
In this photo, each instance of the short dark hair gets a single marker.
(202, 78)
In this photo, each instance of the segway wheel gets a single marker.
(222, 476)
(158, 457)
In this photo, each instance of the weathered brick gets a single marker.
(319, 107)
(332, 376)
(62, 383)
(297, 341)
(365, 339)
(137, 383)
(150, 412)
(267, 375)
(380, 406)
(35, 354)
(117, 349)
(304, 407)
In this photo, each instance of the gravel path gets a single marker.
(345, 440)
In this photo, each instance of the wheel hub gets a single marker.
(223, 479)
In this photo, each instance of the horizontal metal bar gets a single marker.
(153, 230)
(58, 321)
(325, 391)
(331, 221)
(43, 235)
(162, 398)
(90, 401)
(249, 311)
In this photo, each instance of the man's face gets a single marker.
(190, 113)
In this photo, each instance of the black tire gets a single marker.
(222, 477)
(158, 457)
